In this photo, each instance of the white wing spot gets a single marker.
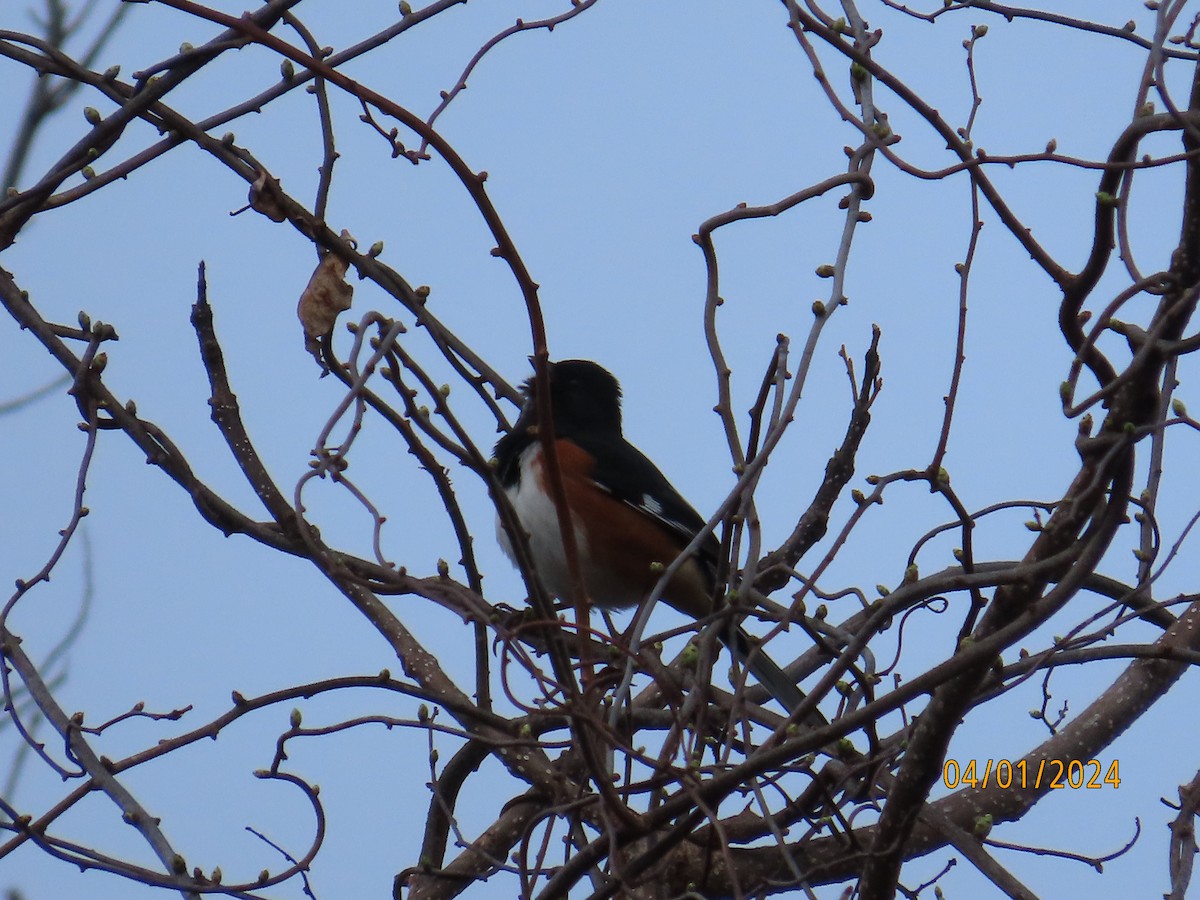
(651, 505)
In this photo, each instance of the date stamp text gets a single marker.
(1053, 774)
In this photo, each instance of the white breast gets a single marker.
(538, 517)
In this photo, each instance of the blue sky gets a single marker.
(607, 143)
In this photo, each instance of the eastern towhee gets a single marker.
(629, 521)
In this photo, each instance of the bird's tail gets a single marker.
(836, 778)
(751, 654)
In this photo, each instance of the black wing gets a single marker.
(624, 472)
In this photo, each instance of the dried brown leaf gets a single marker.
(326, 295)
(264, 197)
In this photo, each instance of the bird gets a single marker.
(629, 521)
